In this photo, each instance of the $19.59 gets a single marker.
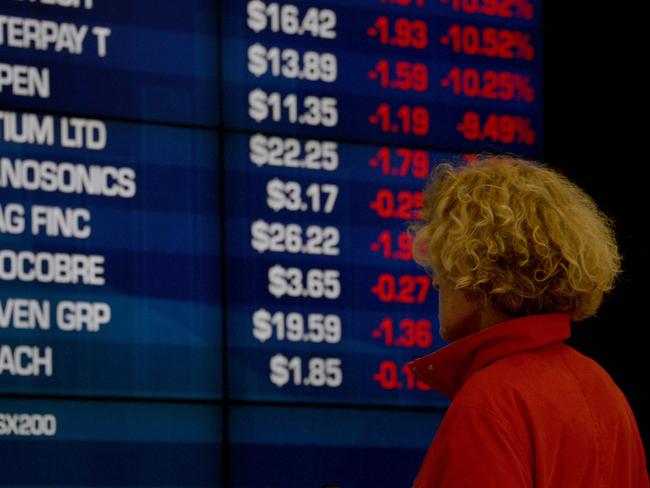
(295, 327)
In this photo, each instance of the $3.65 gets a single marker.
(293, 282)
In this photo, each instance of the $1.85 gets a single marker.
(319, 371)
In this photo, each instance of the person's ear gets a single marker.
(436, 282)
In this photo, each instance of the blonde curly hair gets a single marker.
(517, 236)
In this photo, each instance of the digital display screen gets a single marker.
(454, 74)
(205, 205)
(347, 107)
(146, 60)
(110, 257)
(68, 443)
(298, 447)
(323, 297)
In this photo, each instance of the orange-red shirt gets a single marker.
(527, 410)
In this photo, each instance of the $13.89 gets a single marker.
(289, 63)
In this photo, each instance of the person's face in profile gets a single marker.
(458, 316)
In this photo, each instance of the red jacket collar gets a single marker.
(447, 369)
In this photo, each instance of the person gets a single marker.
(517, 252)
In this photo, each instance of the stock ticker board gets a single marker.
(209, 200)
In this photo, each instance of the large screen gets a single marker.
(349, 106)
(204, 215)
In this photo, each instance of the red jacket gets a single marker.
(528, 411)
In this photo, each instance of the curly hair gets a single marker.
(517, 236)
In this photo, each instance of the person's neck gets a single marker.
(491, 316)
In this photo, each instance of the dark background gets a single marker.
(595, 124)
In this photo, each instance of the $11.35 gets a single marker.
(311, 110)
